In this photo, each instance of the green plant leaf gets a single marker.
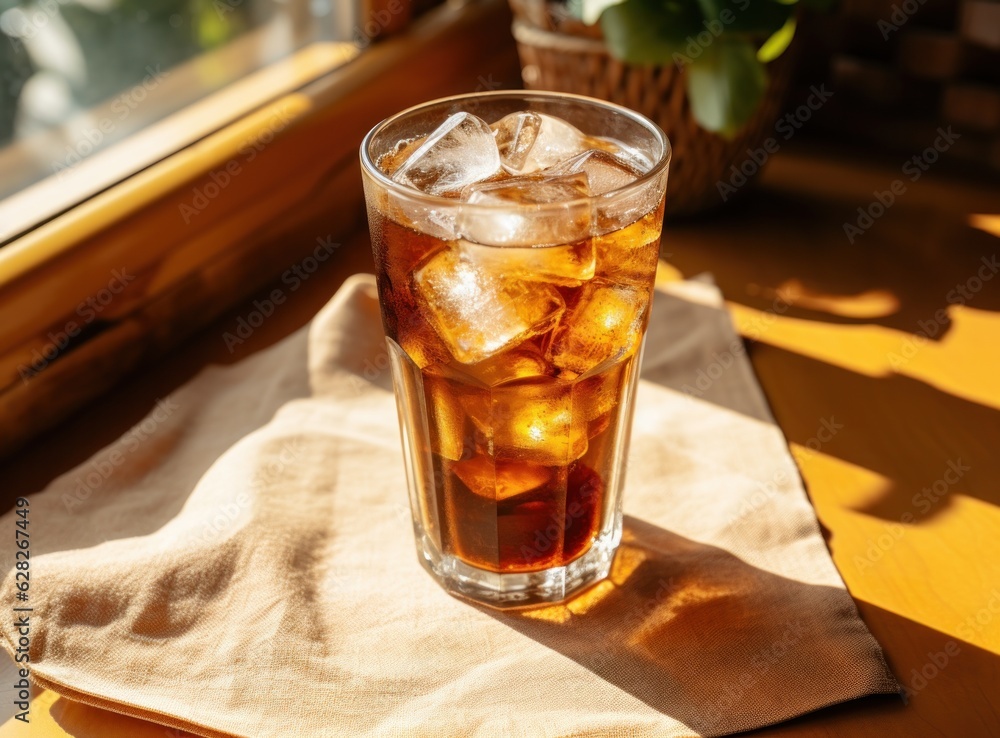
(725, 84)
(649, 31)
(775, 46)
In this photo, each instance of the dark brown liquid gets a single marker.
(514, 450)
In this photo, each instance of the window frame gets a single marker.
(303, 184)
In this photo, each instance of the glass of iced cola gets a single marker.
(516, 237)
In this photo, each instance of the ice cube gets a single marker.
(451, 402)
(392, 160)
(515, 135)
(533, 210)
(534, 421)
(603, 326)
(630, 254)
(530, 190)
(605, 172)
(462, 150)
(500, 480)
(557, 141)
(598, 392)
(520, 363)
(567, 265)
(478, 312)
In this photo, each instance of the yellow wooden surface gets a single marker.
(843, 343)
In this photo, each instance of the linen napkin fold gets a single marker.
(241, 563)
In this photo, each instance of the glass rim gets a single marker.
(371, 168)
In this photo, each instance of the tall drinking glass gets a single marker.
(516, 237)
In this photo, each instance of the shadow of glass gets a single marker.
(916, 435)
(917, 254)
(709, 640)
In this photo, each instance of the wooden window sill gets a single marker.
(103, 288)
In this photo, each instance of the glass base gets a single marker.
(506, 591)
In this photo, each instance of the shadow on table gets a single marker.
(697, 634)
(889, 424)
(900, 272)
(722, 646)
(948, 681)
(884, 424)
(715, 643)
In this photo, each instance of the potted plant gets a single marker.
(712, 73)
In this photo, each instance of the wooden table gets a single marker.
(867, 338)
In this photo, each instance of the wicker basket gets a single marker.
(554, 59)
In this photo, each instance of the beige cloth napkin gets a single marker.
(242, 563)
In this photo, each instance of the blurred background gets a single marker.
(66, 65)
